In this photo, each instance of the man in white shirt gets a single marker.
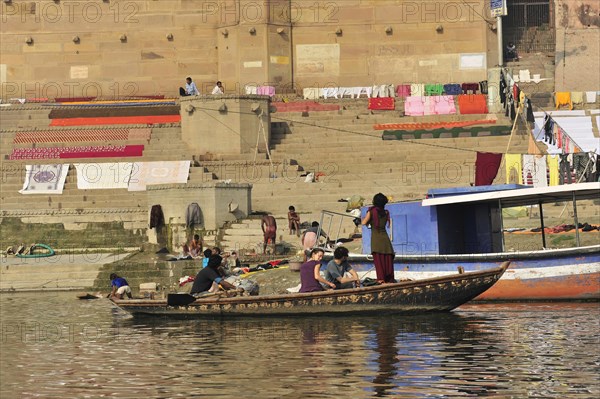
(218, 89)
(190, 88)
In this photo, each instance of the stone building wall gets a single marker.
(577, 45)
(108, 48)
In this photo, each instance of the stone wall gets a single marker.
(577, 45)
(225, 124)
(103, 48)
(215, 201)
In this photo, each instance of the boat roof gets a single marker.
(445, 192)
(523, 196)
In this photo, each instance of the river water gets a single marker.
(55, 346)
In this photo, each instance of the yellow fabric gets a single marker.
(514, 168)
(563, 98)
(552, 162)
(577, 97)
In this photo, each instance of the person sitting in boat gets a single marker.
(120, 287)
(207, 254)
(338, 267)
(209, 277)
(310, 273)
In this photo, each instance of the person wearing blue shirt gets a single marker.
(120, 287)
(190, 88)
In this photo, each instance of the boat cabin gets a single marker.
(468, 220)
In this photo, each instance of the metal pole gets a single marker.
(501, 225)
(576, 221)
(500, 47)
(542, 223)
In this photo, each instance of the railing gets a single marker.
(530, 25)
(328, 223)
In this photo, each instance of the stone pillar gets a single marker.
(493, 78)
(219, 202)
(226, 124)
(258, 49)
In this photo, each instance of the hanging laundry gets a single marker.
(577, 97)
(470, 88)
(193, 215)
(564, 169)
(548, 129)
(483, 85)
(529, 107)
(434, 89)
(512, 163)
(590, 97)
(528, 169)
(403, 91)
(540, 177)
(157, 219)
(452, 89)
(581, 163)
(563, 98)
(552, 161)
(486, 168)
(503, 89)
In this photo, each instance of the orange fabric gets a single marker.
(563, 98)
(472, 104)
(430, 125)
(532, 147)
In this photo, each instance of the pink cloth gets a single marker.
(265, 90)
(414, 106)
(443, 105)
(403, 91)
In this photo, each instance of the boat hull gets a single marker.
(572, 274)
(429, 295)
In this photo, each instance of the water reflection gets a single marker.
(54, 346)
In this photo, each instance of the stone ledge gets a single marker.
(186, 186)
(64, 212)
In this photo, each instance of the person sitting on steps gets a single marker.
(293, 221)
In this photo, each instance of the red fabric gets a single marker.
(472, 104)
(383, 103)
(384, 267)
(128, 151)
(116, 120)
(486, 168)
(466, 87)
(304, 106)
(73, 99)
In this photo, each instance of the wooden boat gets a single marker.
(428, 295)
(464, 227)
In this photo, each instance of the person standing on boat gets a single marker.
(210, 275)
(310, 273)
(338, 267)
(120, 287)
(377, 218)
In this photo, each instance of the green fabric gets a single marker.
(434, 89)
(454, 132)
